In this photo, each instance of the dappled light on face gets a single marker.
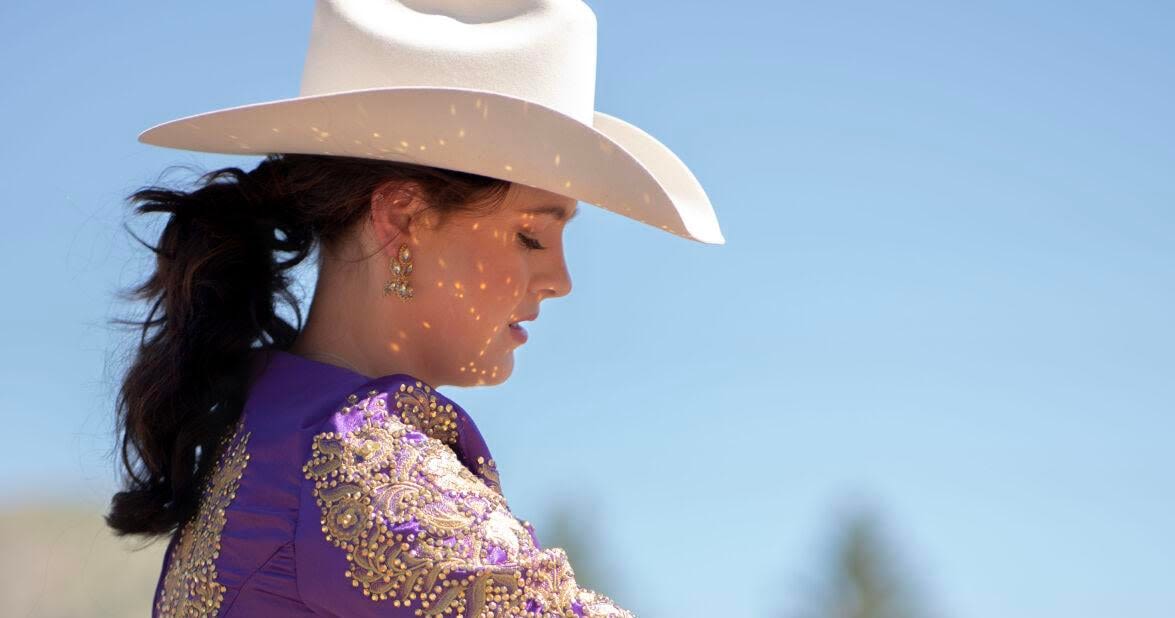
(481, 374)
(471, 339)
(458, 329)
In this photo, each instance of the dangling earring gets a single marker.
(401, 267)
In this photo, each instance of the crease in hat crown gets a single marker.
(537, 50)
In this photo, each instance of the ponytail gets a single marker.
(214, 287)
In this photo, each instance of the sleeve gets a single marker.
(392, 524)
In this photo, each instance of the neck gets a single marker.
(343, 328)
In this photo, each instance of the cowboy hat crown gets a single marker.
(504, 89)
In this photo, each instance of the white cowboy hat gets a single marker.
(501, 88)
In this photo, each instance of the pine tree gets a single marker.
(863, 579)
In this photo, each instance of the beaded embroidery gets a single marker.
(190, 587)
(419, 408)
(488, 470)
(421, 530)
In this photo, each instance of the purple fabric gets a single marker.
(275, 558)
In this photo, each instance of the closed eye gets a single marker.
(529, 242)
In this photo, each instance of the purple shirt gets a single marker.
(341, 495)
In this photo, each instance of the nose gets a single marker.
(556, 282)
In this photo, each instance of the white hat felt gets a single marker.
(501, 88)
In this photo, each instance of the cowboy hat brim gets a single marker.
(610, 164)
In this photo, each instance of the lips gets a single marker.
(516, 327)
(529, 318)
(518, 332)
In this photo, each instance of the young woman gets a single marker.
(316, 469)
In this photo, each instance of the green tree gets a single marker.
(862, 577)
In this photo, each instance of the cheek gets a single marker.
(498, 292)
(473, 294)
(487, 288)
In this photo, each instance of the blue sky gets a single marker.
(947, 288)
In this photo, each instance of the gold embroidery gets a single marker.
(419, 408)
(190, 587)
(596, 605)
(421, 530)
(415, 406)
(489, 471)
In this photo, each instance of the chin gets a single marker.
(485, 380)
(491, 376)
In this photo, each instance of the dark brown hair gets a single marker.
(214, 295)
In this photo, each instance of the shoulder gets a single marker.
(416, 528)
(397, 502)
(394, 438)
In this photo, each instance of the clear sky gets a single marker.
(947, 288)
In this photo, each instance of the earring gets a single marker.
(401, 267)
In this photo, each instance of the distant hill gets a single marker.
(60, 560)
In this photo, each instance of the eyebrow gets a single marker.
(555, 211)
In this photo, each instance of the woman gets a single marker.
(317, 470)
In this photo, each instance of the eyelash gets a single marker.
(529, 242)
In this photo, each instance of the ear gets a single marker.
(398, 213)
